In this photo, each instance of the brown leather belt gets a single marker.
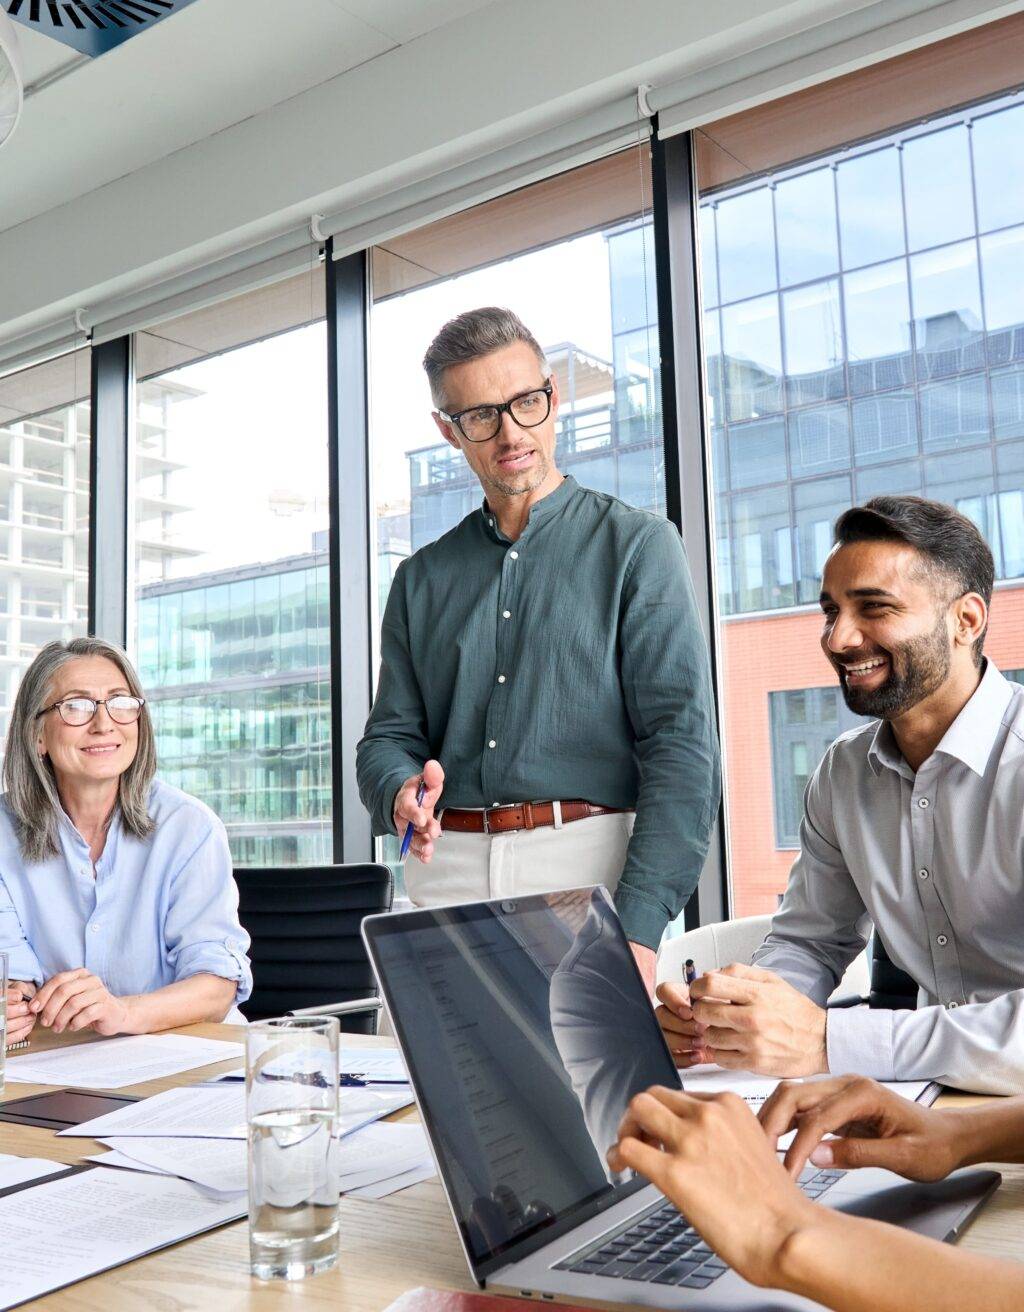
(521, 815)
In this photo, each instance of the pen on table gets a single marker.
(690, 971)
(357, 1080)
(409, 828)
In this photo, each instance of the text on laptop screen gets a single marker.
(527, 1031)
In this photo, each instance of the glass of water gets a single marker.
(291, 1083)
(3, 1016)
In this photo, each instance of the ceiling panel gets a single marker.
(405, 20)
(215, 63)
(40, 55)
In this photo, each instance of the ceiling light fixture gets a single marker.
(11, 86)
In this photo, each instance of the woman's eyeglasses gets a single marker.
(78, 711)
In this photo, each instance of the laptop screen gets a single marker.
(527, 1030)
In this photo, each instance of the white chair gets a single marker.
(719, 944)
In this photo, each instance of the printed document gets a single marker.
(115, 1063)
(102, 1219)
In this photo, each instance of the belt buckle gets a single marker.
(487, 820)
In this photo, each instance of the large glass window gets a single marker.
(232, 627)
(895, 364)
(573, 257)
(44, 513)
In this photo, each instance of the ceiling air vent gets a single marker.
(91, 26)
(10, 79)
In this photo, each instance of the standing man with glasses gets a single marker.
(544, 678)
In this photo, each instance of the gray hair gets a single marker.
(29, 778)
(470, 335)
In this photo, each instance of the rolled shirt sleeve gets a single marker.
(394, 745)
(666, 684)
(22, 962)
(822, 924)
(202, 930)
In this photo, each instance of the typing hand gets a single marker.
(709, 1156)
(79, 1000)
(879, 1128)
(420, 815)
(753, 1020)
(20, 1019)
(683, 1034)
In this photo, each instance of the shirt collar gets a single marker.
(971, 736)
(541, 510)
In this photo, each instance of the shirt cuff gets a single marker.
(22, 964)
(643, 920)
(858, 1041)
(225, 958)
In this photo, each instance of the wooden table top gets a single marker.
(386, 1246)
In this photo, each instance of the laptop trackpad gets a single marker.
(938, 1209)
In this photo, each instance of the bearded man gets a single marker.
(914, 825)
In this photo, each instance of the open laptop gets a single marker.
(526, 1029)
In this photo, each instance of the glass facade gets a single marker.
(232, 609)
(232, 665)
(44, 513)
(864, 334)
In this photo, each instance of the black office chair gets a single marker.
(307, 953)
(889, 988)
(892, 989)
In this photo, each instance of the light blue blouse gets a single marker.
(157, 910)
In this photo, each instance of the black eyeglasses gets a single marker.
(78, 711)
(482, 422)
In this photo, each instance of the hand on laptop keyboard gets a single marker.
(711, 1158)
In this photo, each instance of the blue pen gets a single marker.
(691, 971)
(409, 828)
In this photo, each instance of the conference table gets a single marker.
(387, 1246)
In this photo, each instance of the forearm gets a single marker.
(201, 997)
(993, 1132)
(978, 1047)
(854, 1265)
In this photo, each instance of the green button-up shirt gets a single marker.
(567, 664)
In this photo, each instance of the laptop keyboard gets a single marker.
(662, 1249)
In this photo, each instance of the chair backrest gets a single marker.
(718, 944)
(306, 949)
(892, 989)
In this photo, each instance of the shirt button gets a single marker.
(923, 803)
(951, 1005)
(506, 614)
(942, 940)
(923, 874)
(501, 678)
(95, 927)
(514, 555)
(492, 743)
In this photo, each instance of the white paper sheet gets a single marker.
(104, 1218)
(19, 1170)
(373, 1064)
(115, 1063)
(424, 1171)
(214, 1163)
(214, 1111)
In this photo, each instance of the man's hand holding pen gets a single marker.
(418, 811)
(19, 1019)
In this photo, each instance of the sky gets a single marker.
(253, 443)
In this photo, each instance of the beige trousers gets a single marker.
(477, 867)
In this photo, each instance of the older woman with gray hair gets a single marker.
(118, 911)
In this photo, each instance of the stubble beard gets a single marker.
(496, 484)
(917, 668)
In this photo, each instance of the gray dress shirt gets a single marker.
(935, 860)
(567, 664)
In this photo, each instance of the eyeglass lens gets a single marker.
(528, 411)
(80, 710)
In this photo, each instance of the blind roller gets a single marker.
(530, 158)
(827, 50)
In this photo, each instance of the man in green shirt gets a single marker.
(543, 671)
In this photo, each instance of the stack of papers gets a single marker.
(20, 1170)
(115, 1063)
(373, 1162)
